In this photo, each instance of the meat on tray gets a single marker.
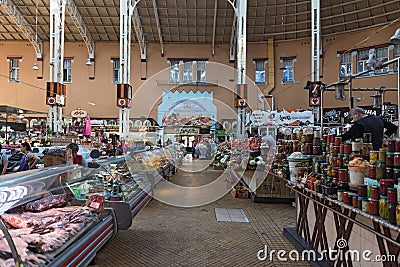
(47, 203)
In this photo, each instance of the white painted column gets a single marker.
(241, 61)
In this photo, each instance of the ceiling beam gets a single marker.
(158, 26)
(214, 26)
(81, 26)
(137, 25)
(30, 33)
(233, 34)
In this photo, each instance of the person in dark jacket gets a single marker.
(374, 125)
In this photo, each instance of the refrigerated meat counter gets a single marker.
(43, 225)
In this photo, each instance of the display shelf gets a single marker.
(265, 186)
(83, 232)
(323, 222)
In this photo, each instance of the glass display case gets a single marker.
(124, 182)
(43, 225)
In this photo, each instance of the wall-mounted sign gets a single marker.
(182, 131)
(79, 113)
(268, 118)
(341, 115)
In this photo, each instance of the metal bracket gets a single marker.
(23, 25)
(158, 26)
(137, 24)
(81, 26)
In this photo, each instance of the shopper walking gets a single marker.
(28, 160)
(374, 125)
(3, 162)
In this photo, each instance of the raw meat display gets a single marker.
(43, 204)
(37, 233)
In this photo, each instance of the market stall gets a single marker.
(347, 200)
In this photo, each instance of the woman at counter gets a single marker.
(77, 159)
(28, 160)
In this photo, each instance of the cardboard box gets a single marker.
(51, 160)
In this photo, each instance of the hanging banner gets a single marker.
(341, 115)
(280, 118)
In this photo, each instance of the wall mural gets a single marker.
(187, 109)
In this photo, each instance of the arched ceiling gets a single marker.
(192, 21)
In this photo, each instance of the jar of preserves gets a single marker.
(382, 154)
(335, 172)
(374, 192)
(335, 151)
(372, 171)
(331, 138)
(345, 160)
(317, 141)
(356, 145)
(325, 138)
(384, 185)
(384, 208)
(338, 140)
(392, 195)
(365, 204)
(345, 197)
(373, 157)
(380, 170)
(398, 214)
(396, 159)
(389, 173)
(367, 147)
(362, 190)
(343, 175)
(373, 207)
(340, 161)
(340, 193)
(392, 213)
(367, 138)
(317, 150)
(347, 149)
(359, 203)
(397, 145)
(355, 200)
(389, 159)
(391, 147)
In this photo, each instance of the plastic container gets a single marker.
(296, 166)
(357, 175)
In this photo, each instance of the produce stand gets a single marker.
(78, 248)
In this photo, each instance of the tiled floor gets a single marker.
(165, 235)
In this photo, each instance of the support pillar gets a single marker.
(316, 50)
(57, 21)
(241, 104)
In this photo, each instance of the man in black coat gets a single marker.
(374, 125)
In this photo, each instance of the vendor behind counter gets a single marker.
(374, 125)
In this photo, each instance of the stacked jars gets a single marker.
(307, 144)
(367, 145)
(381, 164)
(390, 159)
